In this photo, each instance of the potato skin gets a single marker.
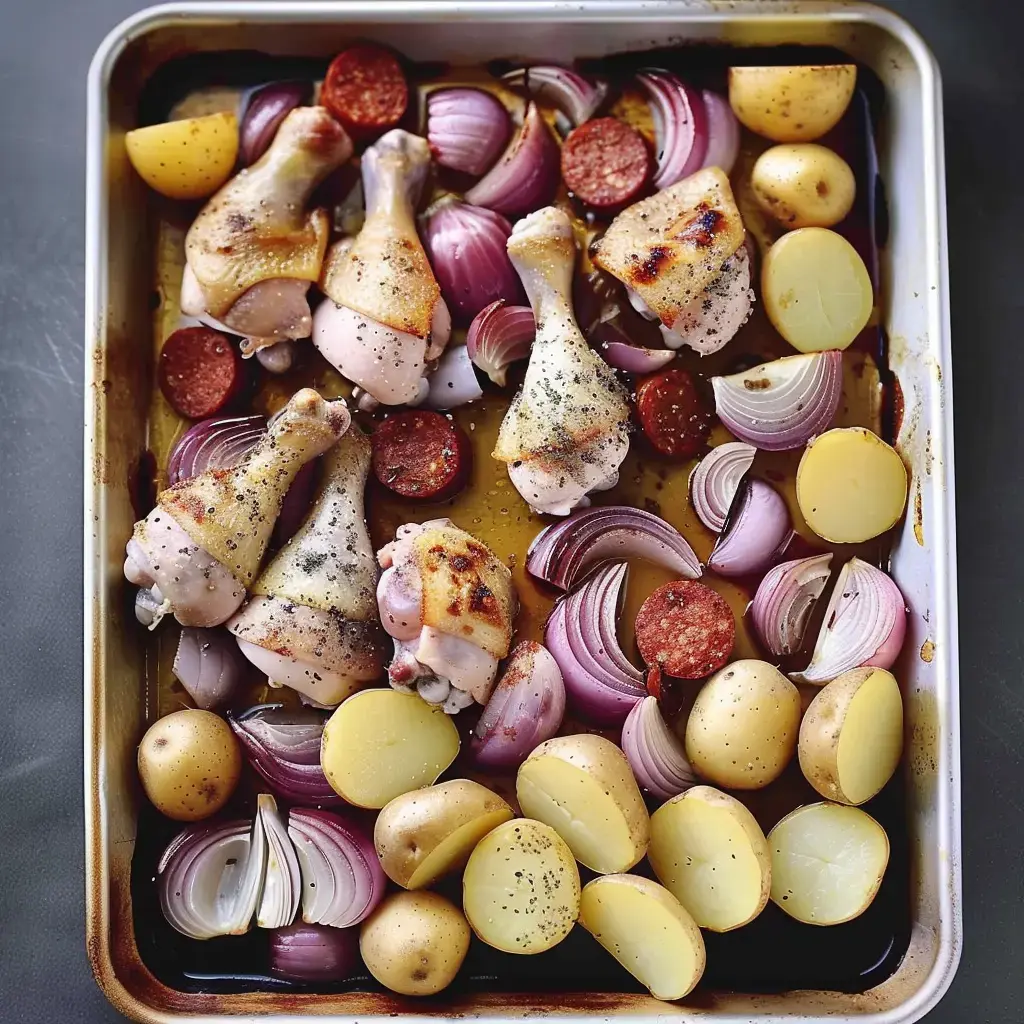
(415, 942)
(413, 825)
(803, 185)
(798, 103)
(742, 730)
(189, 763)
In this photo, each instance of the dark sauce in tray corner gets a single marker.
(772, 954)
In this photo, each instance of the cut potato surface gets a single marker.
(827, 862)
(427, 833)
(188, 159)
(850, 485)
(851, 736)
(646, 929)
(521, 888)
(816, 290)
(710, 853)
(582, 786)
(382, 743)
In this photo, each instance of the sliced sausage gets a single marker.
(673, 414)
(421, 454)
(605, 163)
(200, 371)
(365, 89)
(685, 629)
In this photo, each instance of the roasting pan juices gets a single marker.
(894, 960)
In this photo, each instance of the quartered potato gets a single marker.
(816, 290)
(827, 862)
(851, 736)
(711, 854)
(187, 159)
(521, 888)
(850, 485)
(582, 786)
(427, 833)
(803, 185)
(380, 744)
(797, 103)
(646, 929)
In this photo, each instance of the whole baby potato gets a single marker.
(803, 185)
(414, 942)
(189, 763)
(742, 730)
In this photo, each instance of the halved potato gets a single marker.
(521, 888)
(711, 854)
(851, 737)
(429, 832)
(647, 930)
(380, 744)
(828, 861)
(582, 786)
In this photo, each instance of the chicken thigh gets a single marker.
(384, 319)
(202, 545)
(311, 621)
(566, 431)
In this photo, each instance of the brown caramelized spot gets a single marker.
(760, 384)
(701, 229)
(650, 268)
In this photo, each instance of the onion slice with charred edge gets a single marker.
(634, 359)
(716, 480)
(560, 554)
(865, 624)
(655, 753)
(573, 95)
(499, 336)
(784, 602)
(757, 532)
(680, 126)
(781, 404)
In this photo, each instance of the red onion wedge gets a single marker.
(210, 666)
(527, 175)
(785, 599)
(561, 553)
(865, 624)
(219, 443)
(283, 746)
(575, 96)
(634, 359)
(309, 952)
(499, 336)
(467, 249)
(281, 890)
(723, 132)
(264, 110)
(655, 753)
(467, 128)
(581, 634)
(342, 880)
(680, 126)
(756, 533)
(716, 480)
(454, 381)
(525, 709)
(784, 403)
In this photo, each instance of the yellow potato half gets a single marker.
(851, 736)
(380, 744)
(582, 786)
(850, 485)
(427, 833)
(646, 929)
(187, 159)
(710, 853)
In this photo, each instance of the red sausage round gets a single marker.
(200, 371)
(672, 413)
(605, 163)
(421, 454)
(686, 630)
(365, 89)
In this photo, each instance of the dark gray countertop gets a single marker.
(45, 47)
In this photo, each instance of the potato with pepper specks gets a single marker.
(803, 185)
(189, 763)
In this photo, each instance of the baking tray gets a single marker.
(118, 375)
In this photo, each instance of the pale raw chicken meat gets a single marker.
(448, 604)
(202, 545)
(566, 432)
